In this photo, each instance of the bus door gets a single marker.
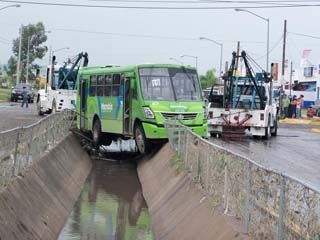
(127, 107)
(83, 103)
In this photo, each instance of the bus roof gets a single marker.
(103, 69)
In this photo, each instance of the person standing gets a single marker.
(294, 106)
(285, 105)
(301, 106)
(24, 97)
(298, 108)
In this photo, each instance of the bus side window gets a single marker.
(116, 85)
(93, 85)
(107, 87)
(100, 85)
(116, 79)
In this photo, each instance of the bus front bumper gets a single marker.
(153, 131)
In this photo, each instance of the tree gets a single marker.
(35, 35)
(209, 79)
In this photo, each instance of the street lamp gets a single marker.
(174, 59)
(195, 57)
(28, 50)
(14, 5)
(60, 49)
(265, 19)
(51, 52)
(221, 50)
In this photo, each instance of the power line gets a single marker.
(124, 34)
(207, 1)
(3, 42)
(4, 39)
(193, 2)
(272, 48)
(280, 3)
(304, 35)
(158, 7)
(233, 1)
(145, 36)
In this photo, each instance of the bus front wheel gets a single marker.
(96, 132)
(143, 144)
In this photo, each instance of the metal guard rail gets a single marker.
(23, 145)
(269, 204)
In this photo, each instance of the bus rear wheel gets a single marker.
(143, 144)
(96, 133)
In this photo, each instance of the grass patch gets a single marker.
(214, 203)
(316, 130)
(5, 94)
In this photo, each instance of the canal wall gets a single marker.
(36, 204)
(178, 209)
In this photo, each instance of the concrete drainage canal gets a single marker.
(111, 204)
(67, 194)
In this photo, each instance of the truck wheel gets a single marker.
(274, 129)
(143, 144)
(53, 111)
(96, 133)
(266, 133)
(40, 113)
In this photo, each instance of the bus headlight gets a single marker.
(148, 112)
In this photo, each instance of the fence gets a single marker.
(23, 145)
(270, 205)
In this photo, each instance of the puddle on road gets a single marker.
(110, 206)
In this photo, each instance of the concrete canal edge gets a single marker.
(177, 209)
(36, 204)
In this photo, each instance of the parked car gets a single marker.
(316, 108)
(17, 91)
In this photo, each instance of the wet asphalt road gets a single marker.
(12, 115)
(295, 151)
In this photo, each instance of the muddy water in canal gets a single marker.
(110, 206)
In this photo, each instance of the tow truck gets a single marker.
(247, 105)
(60, 92)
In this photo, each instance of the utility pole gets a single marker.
(283, 65)
(284, 50)
(50, 52)
(28, 49)
(19, 57)
(290, 79)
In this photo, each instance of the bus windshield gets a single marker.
(171, 84)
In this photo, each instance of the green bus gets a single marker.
(135, 101)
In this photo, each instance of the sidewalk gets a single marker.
(316, 130)
(315, 121)
(304, 120)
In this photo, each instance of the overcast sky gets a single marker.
(173, 32)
